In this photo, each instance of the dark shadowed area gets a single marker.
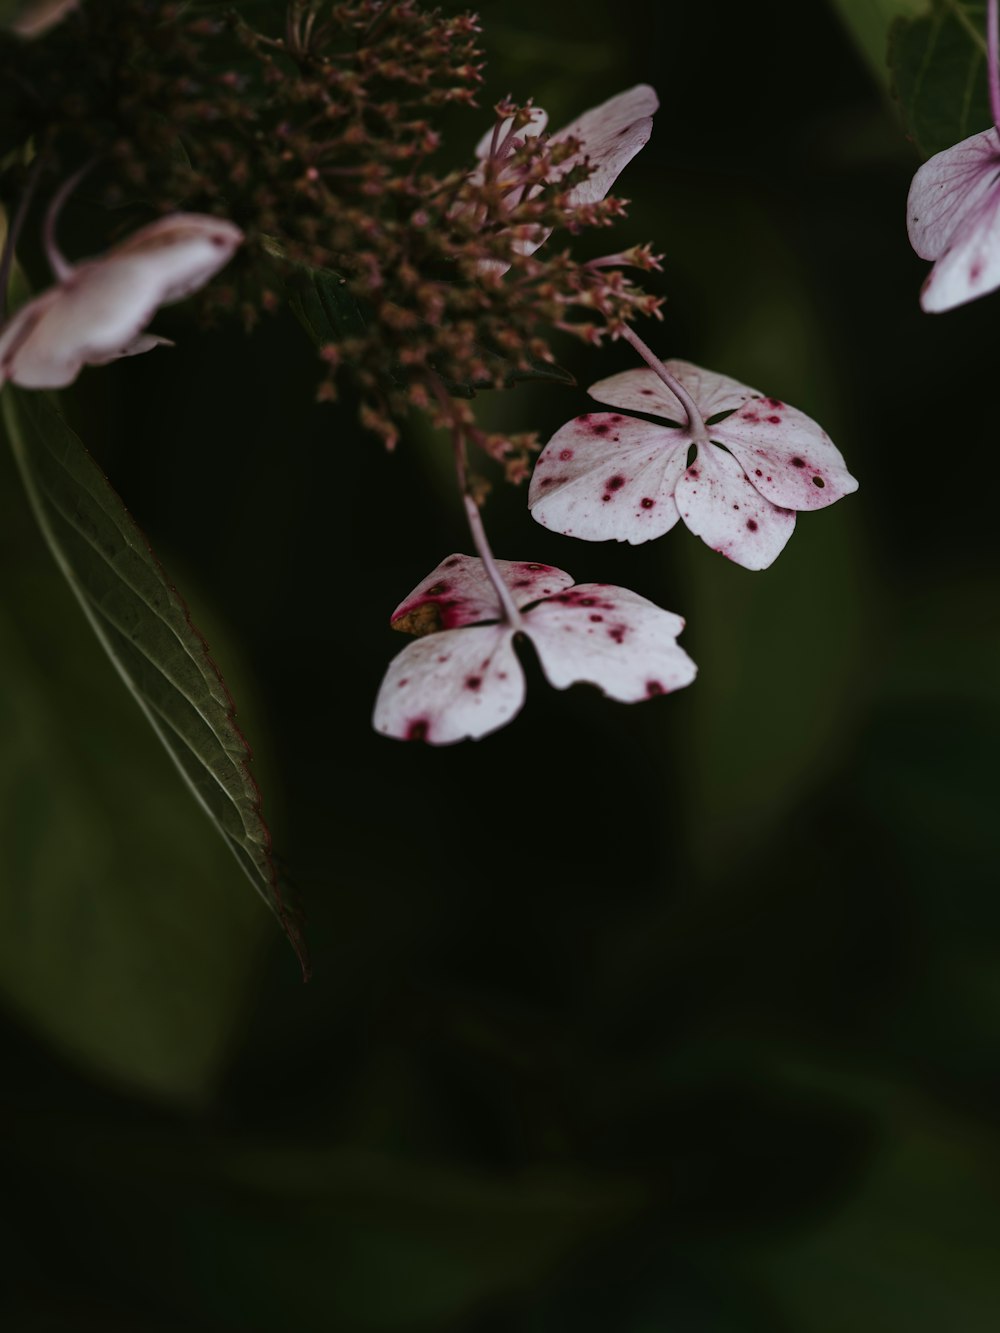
(675, 1018)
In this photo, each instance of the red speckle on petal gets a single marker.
(693, 472)
(798, 462)
(752, 524)
(616, 483)
(646, 393)
(473, 682)
(757, 472)
(401, 683)
(752, 417)
(647, 503)
(975, 272)
(775, 421)
(774, 403)
(565, 454)
(617, 633)
(596, 619)
(653, 688)
(417, 730)
(602, 429)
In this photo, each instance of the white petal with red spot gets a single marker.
(719, 505)
(605, 477)
(786, 455)
(98, 312)
(612, 638)
(456, 685)
(970, 267)
(459, 592)
(948, 189)
(642, 390)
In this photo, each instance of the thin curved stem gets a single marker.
(14, 229)
(695, 421)
(473, 515)
(993, 60)
(58, 263)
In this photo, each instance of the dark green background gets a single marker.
(681, 1018)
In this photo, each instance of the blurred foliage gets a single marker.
(675, 1017)
(938, 63)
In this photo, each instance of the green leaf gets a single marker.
(869, 22)
(124, 941)
(938, 64)
(145, 628)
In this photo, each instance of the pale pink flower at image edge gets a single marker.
(99, 309)
(605, 476)
(462, 679)
(953, 218)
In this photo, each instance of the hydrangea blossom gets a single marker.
(953, 218)
(98, 309)
(462, 679)
(610, 136)
(605, 476)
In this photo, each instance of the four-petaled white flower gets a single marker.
(953, 218)
(610, 136)
(99, 308)
(462, 678)
(605, 476)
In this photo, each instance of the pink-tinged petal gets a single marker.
(144, 343)
(611, 134)
(948, 189)
(719, 505)
(611, 638)
(642, 390)
(459, 593)
(970, 267)
(786, 455)
(605, 477)
(37, 18)
(100, 310)
(453, 686)
(538, 122)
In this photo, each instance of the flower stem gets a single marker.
(58, 263)
(695, 421)
(992, 61)
(472, 513)
(14, 229)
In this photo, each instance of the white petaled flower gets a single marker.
(461, 679)
(610, 136)
(953, 218)
(609, 477)
(98, 310)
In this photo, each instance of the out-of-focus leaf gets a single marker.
(938, 64)
(123, 939)
(915, 1249)
(145, 628)
(869, 22)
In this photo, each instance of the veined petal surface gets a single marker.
(642, 390)
(948, 188)
(786, 455)
(456, 685)
(605, 477)
(718, 504)
(612, 638)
